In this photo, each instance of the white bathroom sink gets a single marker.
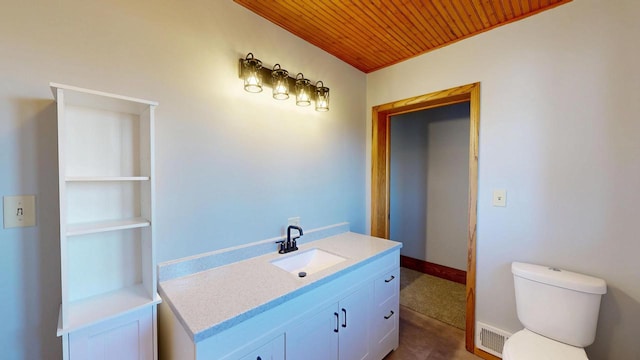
(309, 261)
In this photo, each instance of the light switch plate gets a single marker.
(19, 211)
(500, 197)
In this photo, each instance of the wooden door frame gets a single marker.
(380, 154)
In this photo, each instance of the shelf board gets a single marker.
(86, 312)
(96, 227)
(105, 178)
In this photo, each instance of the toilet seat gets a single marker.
(527, 345)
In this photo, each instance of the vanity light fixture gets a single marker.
(322, 97)
(251, 74)
(280, 82)
(303, 91)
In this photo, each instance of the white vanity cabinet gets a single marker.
(107, 247)
(335, 318)
(338, 331)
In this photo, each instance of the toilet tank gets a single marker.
(559, 304)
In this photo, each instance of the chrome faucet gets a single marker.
(290, 244)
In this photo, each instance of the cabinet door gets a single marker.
(273, 350)
(128, 337)
(355, 315)
(315, 338)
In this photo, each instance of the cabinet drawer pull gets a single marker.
(390, 315)
(258, 358)
(344, 324)
(390, 279)
(337, 321)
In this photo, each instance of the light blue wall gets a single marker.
(231, 166)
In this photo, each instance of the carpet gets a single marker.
(440, 299)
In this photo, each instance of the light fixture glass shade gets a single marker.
(322, 97)
(303, 91)
(251, 74)
(280, 83)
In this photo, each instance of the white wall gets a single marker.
(559, 130)
(408, 171)
(429, 181)
(231, 166)
(448, 186)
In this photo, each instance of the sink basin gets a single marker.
(309, 261)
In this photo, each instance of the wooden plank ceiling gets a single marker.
(373, 34)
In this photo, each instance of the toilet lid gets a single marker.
(527, 345)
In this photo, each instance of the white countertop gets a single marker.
(214, 300)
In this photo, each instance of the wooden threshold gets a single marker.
(441, 271)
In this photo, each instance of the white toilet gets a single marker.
(559, 310)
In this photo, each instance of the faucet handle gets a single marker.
(282, 246)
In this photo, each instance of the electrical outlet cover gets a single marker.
(295, 221)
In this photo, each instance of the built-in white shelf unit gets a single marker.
(107, 196)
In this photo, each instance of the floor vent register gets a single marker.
(490, 339)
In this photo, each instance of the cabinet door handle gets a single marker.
(337, 321)
(390, 315)
(258, 358)
(390, 279)
(344, 324)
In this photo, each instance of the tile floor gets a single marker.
(424, 338)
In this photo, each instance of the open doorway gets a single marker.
(380, 176)
(429, 181)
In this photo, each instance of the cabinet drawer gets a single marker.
(273, 350)
(386, 316)
(387, 286)
(385, 331)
